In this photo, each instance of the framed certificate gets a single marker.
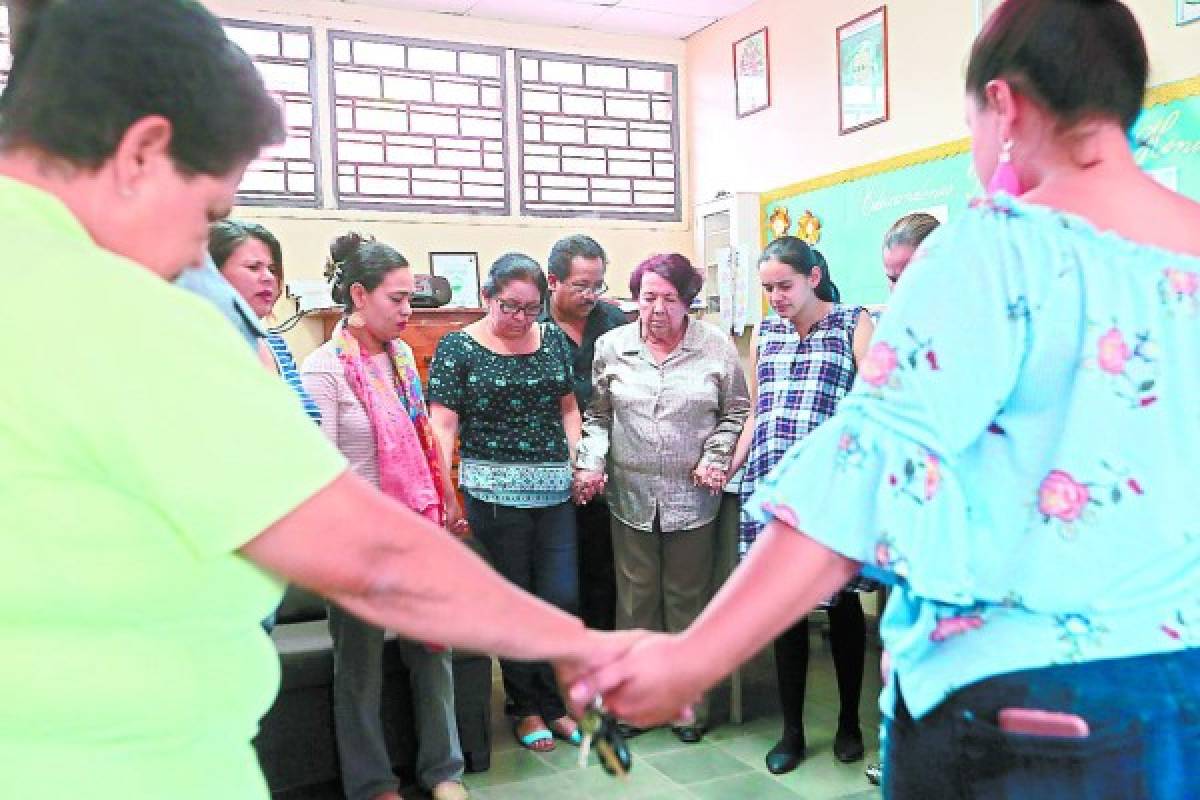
(751, 73)
(461, 270)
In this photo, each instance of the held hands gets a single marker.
(711, 477)
(587, 484)
(643, 678)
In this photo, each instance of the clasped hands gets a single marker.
(588, 483)
(643, 678)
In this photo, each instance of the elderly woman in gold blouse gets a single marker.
(670, 400)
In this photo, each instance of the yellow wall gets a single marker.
(305, 233)
(797, 137)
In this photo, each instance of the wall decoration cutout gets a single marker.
(809, 228)
(779, 223)
(862, 71)
(751, 73)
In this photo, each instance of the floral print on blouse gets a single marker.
(1019, 453)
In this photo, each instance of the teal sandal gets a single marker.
(531, 740)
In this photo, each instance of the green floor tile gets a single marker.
(509, 767)
(554, 786)
(750, 749)
(737, 787)
(699, 762)
(822, 776)
(644, 781)
(653, 742)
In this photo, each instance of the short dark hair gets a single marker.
(228, 235)
(910, 230)
(1078, 58)
(512, 267)
(84, 71)
(802, 258)
(567, 249)
(675, 269)
(354, 258)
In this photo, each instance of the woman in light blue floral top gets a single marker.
(1018, 457)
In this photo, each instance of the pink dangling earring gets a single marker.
(1004, 177)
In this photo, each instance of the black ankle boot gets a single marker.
(848, 744)
(787, 753)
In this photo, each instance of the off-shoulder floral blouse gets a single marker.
(1020, 453)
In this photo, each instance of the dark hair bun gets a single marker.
(346, 245)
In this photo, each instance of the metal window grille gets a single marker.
(598, 137)
(289, 174)
(418, 125)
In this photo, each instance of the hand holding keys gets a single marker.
(600, 729)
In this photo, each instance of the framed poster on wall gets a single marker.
(862, 71)
(751, 73)
(461, 270)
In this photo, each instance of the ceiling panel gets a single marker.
(538, 12)
(675, 19)
(619, 19)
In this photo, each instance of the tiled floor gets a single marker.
(727, 765)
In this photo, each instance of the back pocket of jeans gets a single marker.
(998, 765)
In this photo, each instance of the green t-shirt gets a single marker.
(141, 444)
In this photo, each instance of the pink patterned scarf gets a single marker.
(409, 467)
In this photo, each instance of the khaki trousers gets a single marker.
(663, 580)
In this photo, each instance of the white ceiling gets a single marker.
(673, 19)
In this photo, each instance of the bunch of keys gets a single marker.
(600, 729)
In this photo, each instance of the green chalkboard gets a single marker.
(855, 208)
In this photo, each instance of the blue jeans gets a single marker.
(1144, 716)
(533, 548)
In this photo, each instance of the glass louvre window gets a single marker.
(286, 175)
(598, 137)
(418, 125)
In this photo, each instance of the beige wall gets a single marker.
(796, 138)
(305, 234)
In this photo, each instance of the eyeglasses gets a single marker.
(513, 309)
(587, 288)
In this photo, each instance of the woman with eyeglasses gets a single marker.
(503, 385)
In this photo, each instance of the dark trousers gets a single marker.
(597, 576)
(357, 710)
(1144, 740)
(847, 640)
(534, 548)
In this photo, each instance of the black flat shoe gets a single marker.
(689, 734)
(786, 755)
(848, 746)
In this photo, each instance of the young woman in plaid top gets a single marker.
(805, 362)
